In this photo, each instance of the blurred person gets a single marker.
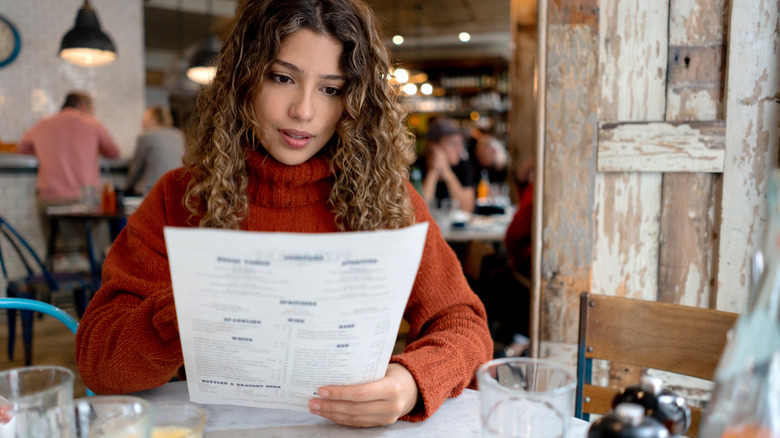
(68, 146)
(446, 168)
(159, 149)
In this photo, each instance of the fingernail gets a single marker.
(314, 406)
(323, 393)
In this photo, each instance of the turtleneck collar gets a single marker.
(273, 184)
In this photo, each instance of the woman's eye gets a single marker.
(331, 91)
(280, 79)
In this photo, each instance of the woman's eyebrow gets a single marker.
(297, 69)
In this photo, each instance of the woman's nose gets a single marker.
(301, 107)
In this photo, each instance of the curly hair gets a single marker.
(372, 149)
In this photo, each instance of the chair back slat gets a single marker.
(681, 339)
(39, 306)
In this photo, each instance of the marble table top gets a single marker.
(457, 417)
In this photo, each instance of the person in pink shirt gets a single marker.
(68, 145)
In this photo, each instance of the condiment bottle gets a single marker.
(108, 204)
(660, 403)
(627, 420)
(746, 398)
(483, 188)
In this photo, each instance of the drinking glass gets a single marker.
(524, 397)
(113, 416)
(178, 420)
(36, 402)
(89, 197)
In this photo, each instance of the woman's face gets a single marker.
(301, 98)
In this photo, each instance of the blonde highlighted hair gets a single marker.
(372, 148)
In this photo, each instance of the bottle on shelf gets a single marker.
(746, 399)
(663, 404)
(627, 420)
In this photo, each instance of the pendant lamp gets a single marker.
(202, 69)
(86, 44)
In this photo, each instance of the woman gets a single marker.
(299, 132)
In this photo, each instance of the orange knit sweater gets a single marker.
(128, 339)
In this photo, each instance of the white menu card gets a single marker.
(265, 319)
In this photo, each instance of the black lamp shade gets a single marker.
(86, 44)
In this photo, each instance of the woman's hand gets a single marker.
(370, 404)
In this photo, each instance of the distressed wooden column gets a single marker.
(752, 114)
(571, 106)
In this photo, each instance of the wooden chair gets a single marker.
(679, 339)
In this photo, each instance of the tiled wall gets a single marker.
(35, 84)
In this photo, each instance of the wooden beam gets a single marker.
(662, 147)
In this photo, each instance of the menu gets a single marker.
(265, 319)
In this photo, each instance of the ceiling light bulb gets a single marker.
(86, 57)
(202, 75)
(426, 89)
(401, 75)
(398, 40)
(464, 36)
(410, 89)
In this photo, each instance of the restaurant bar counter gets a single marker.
(457, 417)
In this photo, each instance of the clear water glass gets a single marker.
(524, 397)
(113, 416)
(37, 402)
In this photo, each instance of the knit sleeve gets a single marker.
(128, 339)
(448, 337)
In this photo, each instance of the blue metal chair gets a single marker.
(37, 306)
(38, 283)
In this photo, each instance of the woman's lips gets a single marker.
(296, 139)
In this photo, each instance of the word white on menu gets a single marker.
(265, 319)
